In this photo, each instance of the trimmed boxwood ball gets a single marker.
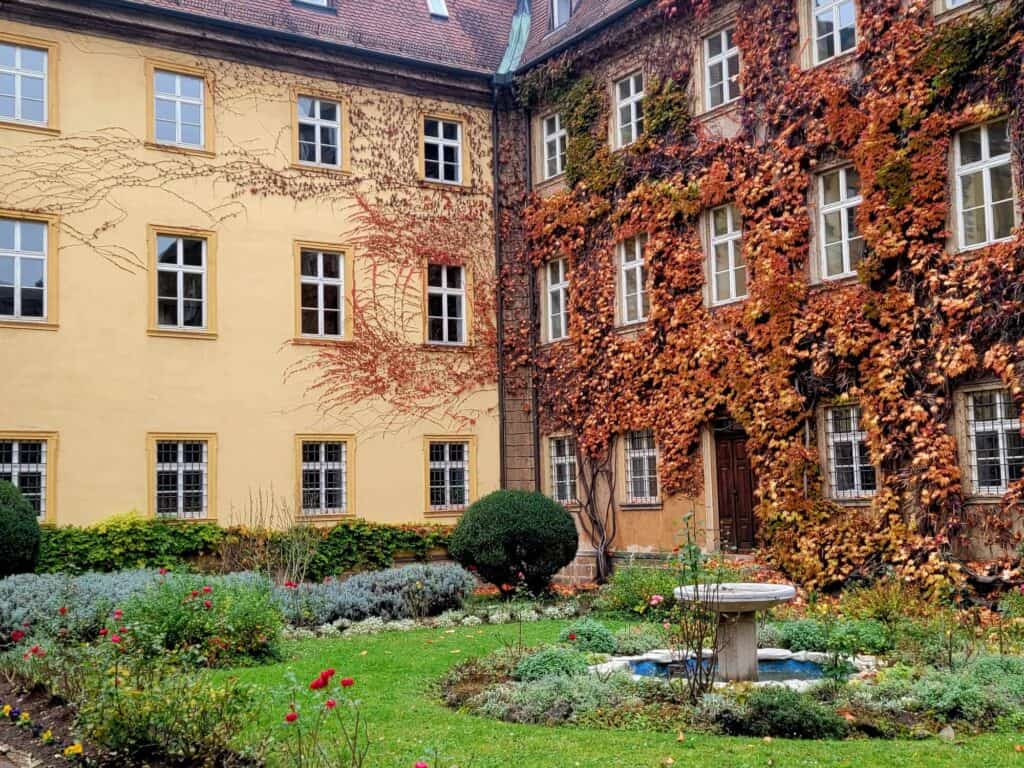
(508, 533)
(19, 532)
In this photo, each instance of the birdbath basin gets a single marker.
(737, 606)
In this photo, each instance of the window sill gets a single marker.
(549, 186)
(169, 333)
(437, 347)
(949, 14)
(184, 520)
(722, 110)
(824, 284)
(430, 513)
(326, 170)
(325, 518)
(645, 507)
(444, 186)
(29, 325)
(980, 499)
(317, 341)
(179, 150)
(840, 60)
(45, 130)
(967, 250)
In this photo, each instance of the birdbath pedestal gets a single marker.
(737, 606)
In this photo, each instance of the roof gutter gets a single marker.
(249, 29)
(582, 35)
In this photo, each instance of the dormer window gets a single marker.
(317, 3)
(438, 8)
(561, 10)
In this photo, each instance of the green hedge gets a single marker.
(130, 541)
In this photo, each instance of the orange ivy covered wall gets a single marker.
(919, 320)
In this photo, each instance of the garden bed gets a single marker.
(47, 714)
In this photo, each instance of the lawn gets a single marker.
(394, 674)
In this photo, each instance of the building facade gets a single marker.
(721, 270)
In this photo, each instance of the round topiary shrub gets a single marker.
(19, 532)
(589, 635)
(515, 537)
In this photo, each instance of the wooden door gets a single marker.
(736, 524)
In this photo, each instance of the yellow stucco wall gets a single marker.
(101, 383)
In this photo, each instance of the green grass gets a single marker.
(395, 672)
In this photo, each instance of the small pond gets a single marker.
(768, 670)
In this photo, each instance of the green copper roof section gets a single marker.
(517, 36)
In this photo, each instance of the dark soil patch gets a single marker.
(48, 714)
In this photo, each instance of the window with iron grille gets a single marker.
(319, 132)
(558, 298)
(182, 478)
(835, 28)
(23, 268)
(446, 304)
(721, 69)
(23, 464)
(842, 246)
(635, 303)
(324, 477)
(178, 109)
(851, 473)
(729, 270)
(23, 86)
(629, 108)
(555, 139)
(449, 475)
(323, 293)
(181, 282)
(563, 469)
(984, 184)
(994, 441)
(442, 150)
(641, 467)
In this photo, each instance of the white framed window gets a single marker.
(23, 269)
(558, 299)
(721, 69)
(633, 276)
(851, 473)
(23, 464)
(555, 139)
(729, 270)
(438, 8)
(442, 150)
(324, 477)
(984, 185)
(449, 475)
(179, 106)
(641, 467)
(181, 300)
(182, 478)
(323, 292)
(629, 109)
(317, 3)
(995, 446)
(561, 10)
(446, 304)
(841, 244)
(563, 469)
(23, 86)
(319, 132)
(835, 28)
(951, 4)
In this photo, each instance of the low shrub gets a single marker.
(552, 662)
(412, 591)
(778, 711)
(842, 636)
(471, 677)
(19, 532)
(361, 545)
(939, 641)
(887, 600)
(554, 700)
(207, 621)
(639, 639)
(515, 538)
(586, 634)
(631, 587)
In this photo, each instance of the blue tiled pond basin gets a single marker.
(768, 670)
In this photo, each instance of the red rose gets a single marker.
(317, 684)
(347, 682)
(421, 764)
(328, 673)
(572, 635)
(330, 703)
(195, 593)
(62, 610)
(17, 635)
(118, 614)
(103, 632)
(207, 604)
(115, 639)
(291, 717)
(162, 571)
(207, 590)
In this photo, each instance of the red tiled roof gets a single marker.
(473, 37)
(585, 15)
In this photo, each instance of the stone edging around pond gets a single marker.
(864, 664)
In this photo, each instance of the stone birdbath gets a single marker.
(737, 606)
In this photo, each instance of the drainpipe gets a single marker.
(498, 293)
(534, 325)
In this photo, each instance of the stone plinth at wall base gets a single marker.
(582, 570)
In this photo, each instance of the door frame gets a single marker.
(713, 529)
